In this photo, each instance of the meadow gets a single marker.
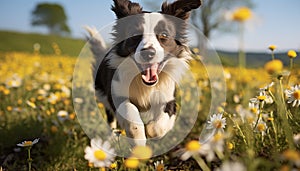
(256, 128)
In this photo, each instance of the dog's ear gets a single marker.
(180, 8)
(124, 8)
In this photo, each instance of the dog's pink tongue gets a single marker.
(149, 75)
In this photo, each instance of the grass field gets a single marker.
(256, 128)
(24, 42)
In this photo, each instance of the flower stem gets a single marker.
(239, 128)
(291, 70)
(274, 128)
(201, 163)
(273, 56)
(283, 115)
(29, 160)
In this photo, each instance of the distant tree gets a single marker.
(212, 16)
(52, 16)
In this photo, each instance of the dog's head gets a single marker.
(152, 39)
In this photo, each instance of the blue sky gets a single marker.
(275, 22)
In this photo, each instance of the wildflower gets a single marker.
(141, 152)
(15, 81)
(232, 166)
(131, 163)
(241, 14)
(53, 98)
(267, 87)
(291, 155)
(62, 115)
(159, 165)
(53, 129)
(292, 54)
(273, 67)
(113, 165)
(262, 98)
(293, 95)
(254, 108)
(47, 87)
(230, 145)
(261, 127)
(217, 122)
(99, 153)
(31, 104)
(28, 143)
(66, 91)
(192, 148)
(272, 47)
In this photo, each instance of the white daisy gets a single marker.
(293, 95)
(15, 81)
(99, 153)
(159, 165)
(254, 108)
(262, 98)
(193, 148)
(267, 87)
(28, 143)
(261, 127)
(216, 122)
(62, 115)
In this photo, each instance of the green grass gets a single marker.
(23, 42)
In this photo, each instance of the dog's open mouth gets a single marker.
(150, 73)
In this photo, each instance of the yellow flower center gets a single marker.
(261, 98)
(292, 54)
(160, 167)
(254, 110)
(100, 155)
(193, 145)
(218, 124)
(261, 127)
(297, 94)
(131, 163)
(27, 143)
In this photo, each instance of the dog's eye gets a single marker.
(163, 36)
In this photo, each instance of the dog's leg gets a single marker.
(129, 118)
(165, 121)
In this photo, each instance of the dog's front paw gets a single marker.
(159, 127)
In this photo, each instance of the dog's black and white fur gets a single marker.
(137, 77)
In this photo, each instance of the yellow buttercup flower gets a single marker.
(131, 163)
(272, 47)
(292, 54)
(274, 66)
(241, 14)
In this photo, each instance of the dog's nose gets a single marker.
(148, 53)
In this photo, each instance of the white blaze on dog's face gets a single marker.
(149, 54)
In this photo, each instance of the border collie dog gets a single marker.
(137, 76)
